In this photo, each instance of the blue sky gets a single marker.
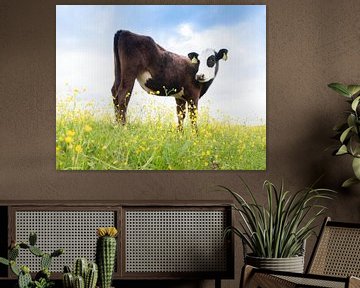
(84, 52)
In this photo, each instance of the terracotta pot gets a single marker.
(291, 264)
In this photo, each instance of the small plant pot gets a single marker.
(291, 264)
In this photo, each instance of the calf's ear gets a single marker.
(193, 57)
(222, 54)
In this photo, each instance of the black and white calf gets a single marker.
(161, 72)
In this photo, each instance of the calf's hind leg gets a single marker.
(193, 113)
(180, 112)
(122, 98)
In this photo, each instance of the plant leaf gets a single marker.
(355, 103)
(353, 89)
(345, 134)
(356, 167)
(342, 150)
(340, 88)
(349, 182)
(4, 261)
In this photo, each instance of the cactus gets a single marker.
(45, 261)
(68, 280)
(90, 272)
(105, 254)
(24, 279)
(23, 273)
(32, 238)
(57, 252)
(79, 282)
(91, 276)
(44, 273)
(80, 267)
(14, 268)
(13, 253)
(36, 251)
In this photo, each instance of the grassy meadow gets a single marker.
(89, 140)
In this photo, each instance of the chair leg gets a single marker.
(354, 282)
(217, 283)
(246, 274)
(250, 278)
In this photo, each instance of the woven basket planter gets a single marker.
(291, 264)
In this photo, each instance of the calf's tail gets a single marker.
(117, 65)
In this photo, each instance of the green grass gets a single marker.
(87, 141)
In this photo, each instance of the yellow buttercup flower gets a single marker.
(87, 128)
(78, 149)
(70, 133)
(68, 139)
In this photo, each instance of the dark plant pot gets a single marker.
(291, 264)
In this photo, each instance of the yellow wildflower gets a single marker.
(70, 133)
(68, 139)
(87, 128)
(78, 149)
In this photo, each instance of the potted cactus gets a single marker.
(106, 254)
(84, 275)
(42, 278)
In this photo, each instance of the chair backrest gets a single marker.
(337, 251)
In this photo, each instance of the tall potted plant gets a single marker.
(348, 132)
(275, 234)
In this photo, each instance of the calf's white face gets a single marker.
(208, 63)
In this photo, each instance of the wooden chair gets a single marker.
(335, 262)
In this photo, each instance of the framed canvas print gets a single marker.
(160, 87)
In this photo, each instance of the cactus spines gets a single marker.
(105, 254)
(45, 261)
(68, 280)
(32, 238)
(67, 269)
(24, 279)
(79, 282)
(14, 268)
(80, 267)
(24, 245)
(13, 253)
(57, 252)
(91, 276)
(23, 273)
(36, 251)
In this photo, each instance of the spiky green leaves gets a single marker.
(279, 229)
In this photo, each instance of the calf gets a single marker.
(161, 72)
